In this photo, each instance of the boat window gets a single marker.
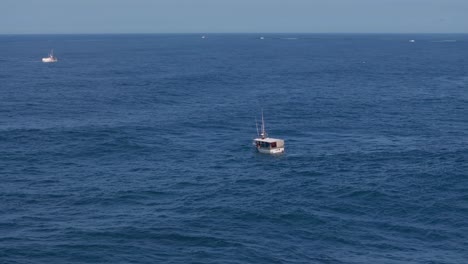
(273, 144)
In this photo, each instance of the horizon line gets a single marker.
(226, 33)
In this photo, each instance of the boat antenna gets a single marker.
(264, 135)
(256, 126)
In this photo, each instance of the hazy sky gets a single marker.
(205, 16)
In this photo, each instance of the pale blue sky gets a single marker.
(205, 16)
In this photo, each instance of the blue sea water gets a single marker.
(137, 149)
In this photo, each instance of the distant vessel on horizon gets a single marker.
(51, 57)
(267, 145)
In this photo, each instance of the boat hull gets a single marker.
(271, 150)
(46, 60)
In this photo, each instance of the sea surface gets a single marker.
(138, 149)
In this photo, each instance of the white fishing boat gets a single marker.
(51, 57)
(265, 144)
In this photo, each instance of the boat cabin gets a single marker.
(269, 145)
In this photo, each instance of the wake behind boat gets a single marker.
(51, 57)
(265, 144)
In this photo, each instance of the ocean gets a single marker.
(138, 148)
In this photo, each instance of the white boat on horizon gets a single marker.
(51, 57)
(265, 144)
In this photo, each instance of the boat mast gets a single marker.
(264, 135)
(256, 126)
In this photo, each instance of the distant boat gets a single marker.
(203, 37)
(262, 38)
(445, 40)
(412, 40)
(265, 144)
(51, 57)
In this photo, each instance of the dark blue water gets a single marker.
(137, 149)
